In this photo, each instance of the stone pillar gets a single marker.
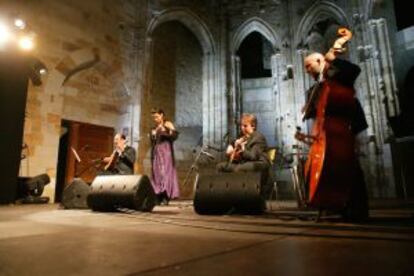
(377, 91)
(211, 102)
(384, 73)
(276, 73)
(302, 82)
(235, 96)
(145, 102)
(237, 93)
(381, 39)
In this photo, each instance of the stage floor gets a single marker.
(173, 240)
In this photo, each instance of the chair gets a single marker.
(271, 153)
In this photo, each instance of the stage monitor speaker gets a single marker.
(222, 193)
(75, 194)
(109, 192)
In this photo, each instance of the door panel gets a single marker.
(92, 143)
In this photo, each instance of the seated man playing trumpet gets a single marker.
(249, 152)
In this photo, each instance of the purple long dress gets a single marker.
(164, 174)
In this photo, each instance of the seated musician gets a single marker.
(122, 159)
(249, 152)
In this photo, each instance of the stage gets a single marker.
(173, 240)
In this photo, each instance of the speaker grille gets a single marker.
(109, 192)
(224, 192)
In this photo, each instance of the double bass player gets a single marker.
(333, 173)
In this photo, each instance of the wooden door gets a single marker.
(91, 143)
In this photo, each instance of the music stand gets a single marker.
(79, 160)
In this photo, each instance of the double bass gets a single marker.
(330, 163)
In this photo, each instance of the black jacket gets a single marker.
(345, 73)
(125, 162)
(255, 148)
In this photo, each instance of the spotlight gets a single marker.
(26, 43)
(19, 23)
(38, 68)
(30, 189)
(4, 34)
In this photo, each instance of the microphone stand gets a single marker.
(195, 162)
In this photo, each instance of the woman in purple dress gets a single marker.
(164, 174)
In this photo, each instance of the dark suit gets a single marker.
(124, 163)
(253, 158)
(345, 73)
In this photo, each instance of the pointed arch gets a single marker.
(255, 24)
(317, 12)
(190, 20)
(211, 97)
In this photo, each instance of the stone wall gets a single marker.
(70, 34)
(176, 54)
(176, 88)
(294, 28)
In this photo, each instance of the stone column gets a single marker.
(234, 94)
(144, 100)
(211, 102)
(276, 73)
(384, 73)
(302, 82)
(238, 95)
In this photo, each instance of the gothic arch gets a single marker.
(255, 24)
(210, 97)
(189, 19)
(317, 12)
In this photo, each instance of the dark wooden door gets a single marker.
(91, 143)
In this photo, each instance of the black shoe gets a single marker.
(163, 198)
(158, 199)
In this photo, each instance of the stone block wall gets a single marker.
(175, 88)
(69, 35)
(179, 55)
